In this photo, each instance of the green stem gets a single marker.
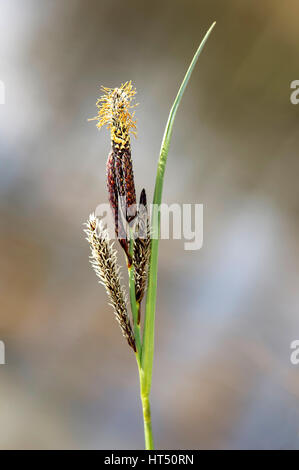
(146, 410)
(149, 326)
(148, 434)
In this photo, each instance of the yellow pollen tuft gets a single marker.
(115, 112)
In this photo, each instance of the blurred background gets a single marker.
(226, 314)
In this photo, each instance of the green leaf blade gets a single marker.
(148, 336)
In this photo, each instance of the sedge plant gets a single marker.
(137, 233)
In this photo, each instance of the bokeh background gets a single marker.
(226, 314)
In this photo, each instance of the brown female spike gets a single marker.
(141, 252)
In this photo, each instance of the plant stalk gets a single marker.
(145, 354)
(146, 409)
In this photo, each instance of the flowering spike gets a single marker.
(104, 262)
(114, 112)
(115, 107)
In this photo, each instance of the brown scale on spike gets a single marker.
(115, 190)
(111, 185)
(130, 186)
(125, 181)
